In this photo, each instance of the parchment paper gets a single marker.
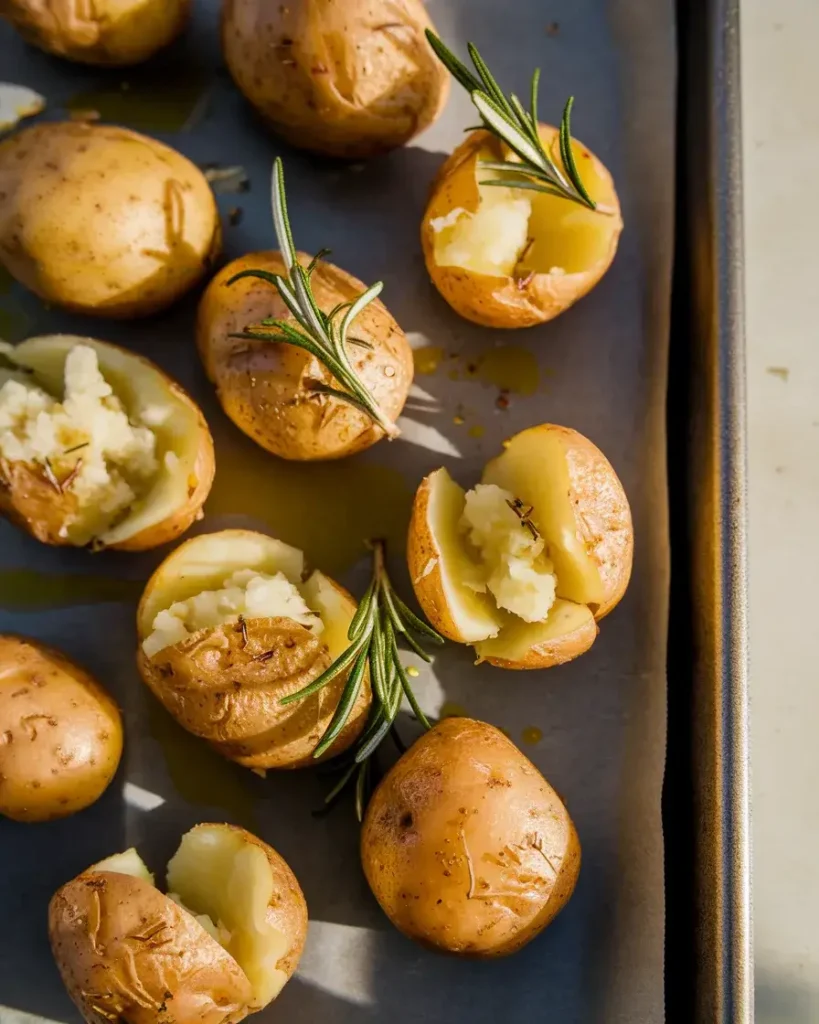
(599, 368)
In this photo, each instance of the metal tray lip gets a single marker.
(709, 538)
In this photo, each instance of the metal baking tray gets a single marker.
(598, 726)
(709, 960)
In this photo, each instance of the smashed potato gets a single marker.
(346, 79)
(98, 446)
(506, 257)
(60, 733)
(466, 846)
(220, 945)
(228, 626)
(524, 565)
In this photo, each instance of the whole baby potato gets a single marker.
(268, 388)
(108, 32)
(466, 846)
(60, 733)
(104, 221)
(346, 78)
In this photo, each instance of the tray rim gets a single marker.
(709, 930)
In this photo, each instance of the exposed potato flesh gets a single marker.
(220, 945)
(60, 733)
(506, 257)
(523, 565)
(216, 872)
(165, 504)
(225, 681)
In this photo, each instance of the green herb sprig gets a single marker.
(508, 120)
(323, 335)
(381, 621)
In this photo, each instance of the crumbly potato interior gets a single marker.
(511, 552)
(216, 874)
(156, 459)
(534, 467)
(84, 442)
(516, 232)
(245, 593)
(517, 637)
(127, 863)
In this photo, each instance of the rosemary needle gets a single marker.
(508, 120)
(380, 621)
(323, 335)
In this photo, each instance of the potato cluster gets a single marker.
(259, 654)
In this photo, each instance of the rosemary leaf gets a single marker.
(345, 705)
(342, 662)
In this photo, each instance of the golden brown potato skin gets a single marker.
(29, 501)
(265, 387)
(228, 692)
(466, 846)
(103, 221)
(501, 301)
(128, 953)
(60, 733)
(345, 78)
(104, 32)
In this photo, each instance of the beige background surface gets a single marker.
(781, 133)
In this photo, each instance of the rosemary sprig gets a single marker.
(323, 335)
(380, 622)
(508, 120)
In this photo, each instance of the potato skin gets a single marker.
(29, 501)
(466, 846)
(105, 33)
(228, 693)
(126, 952)
(344, 78)
(497, 301)
(60, 733)
(264, 386)
(103, 221)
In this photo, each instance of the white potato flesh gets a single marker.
(517, 638)
(86, 437)
(473, 611)
(217, 873)
(516, 232)
(127, 863)
(534, 468)
(204, 562)
(517, 572)
(245, 593)
(147, 397)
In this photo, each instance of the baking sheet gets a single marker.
(596, 727)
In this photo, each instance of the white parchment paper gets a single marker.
(596, 727)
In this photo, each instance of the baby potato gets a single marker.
(345, 78)
(222, 943)
(466, 846)
(525, 564)
(98, 446)
(108, 32)
(505, 257)
(229, 625)
(268, 388)
(60, 733)
(103, 221)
